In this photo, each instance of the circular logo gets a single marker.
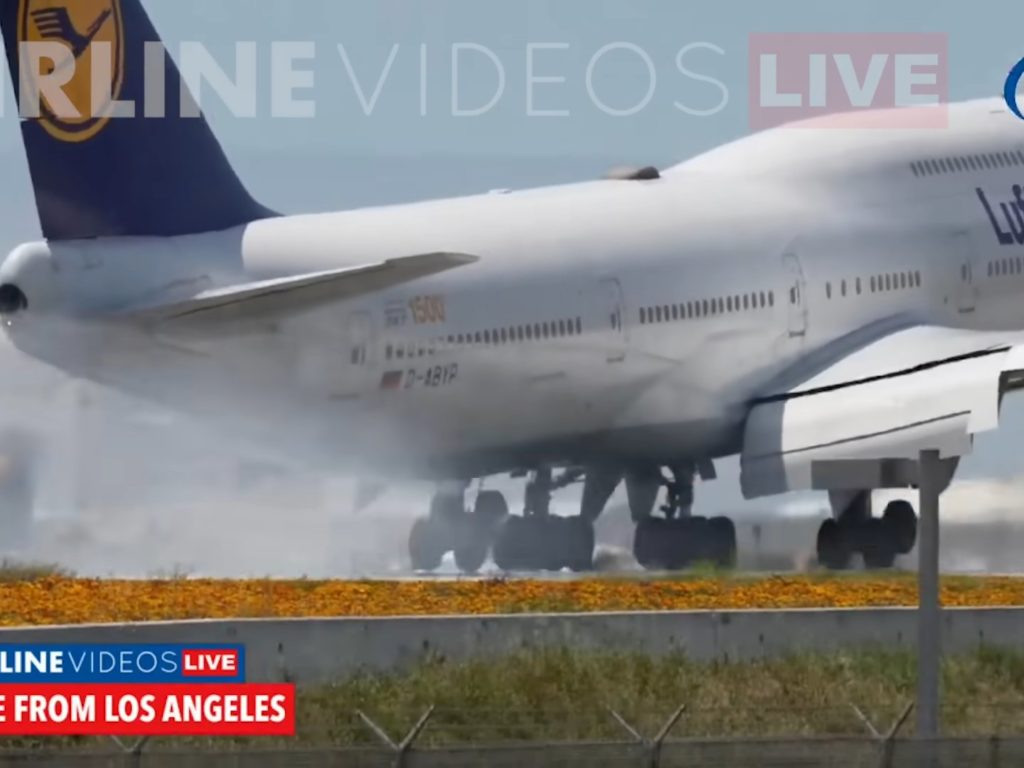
(78, 44)
(1010, 91)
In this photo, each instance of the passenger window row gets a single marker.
(692, 310)
(519, 334)
(983, 162)
(894, 281)
(1003, 267)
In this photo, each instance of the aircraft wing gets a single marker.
(247, 305)
(861, 416)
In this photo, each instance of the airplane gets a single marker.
(823, 300)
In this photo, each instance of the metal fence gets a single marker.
(834, 753)
(991, 734)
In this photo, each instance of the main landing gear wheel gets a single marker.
(545, 543)
(479, 531)
(878, 540)
(450, 528)
(676, 544)
(540, 541)
(676, 540)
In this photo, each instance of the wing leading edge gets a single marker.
(250, 305)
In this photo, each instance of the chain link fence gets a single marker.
(991, 734)
(834, 753)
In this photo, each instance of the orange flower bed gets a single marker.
(62, 600)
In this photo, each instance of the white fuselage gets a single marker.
(610, 321)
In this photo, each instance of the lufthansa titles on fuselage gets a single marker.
(1007, 218)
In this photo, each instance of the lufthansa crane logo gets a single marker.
(1010, 91)
(92, 34)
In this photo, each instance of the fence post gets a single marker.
(135, 750)
(401, 749)
(662, 734)
(652, 745)
(889, 740)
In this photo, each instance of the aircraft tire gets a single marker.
(722, 532)
(833, 546)
(428, 542)
(877, 545)
(901, 523)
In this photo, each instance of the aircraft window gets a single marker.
(956, 163)
(728, 304)
(792, 295)
(842, 288)
(657, 314)
(536, 331)
(883, 283)
(721, 306)
(828, 290)
(529, 333)
(1019, 265)
(1020, 156)
(579, 326)
(1006, 157)
(643, 316)
(913, 167)
(487, 337)
(771, 298)
(561, 328)
(746, 301)
(389, 352)
(502, 334)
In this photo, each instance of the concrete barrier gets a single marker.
(311, 651)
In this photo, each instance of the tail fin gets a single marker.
(100, 176)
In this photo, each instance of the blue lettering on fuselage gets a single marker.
(1012, 216)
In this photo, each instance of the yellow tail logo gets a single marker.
(76, 25)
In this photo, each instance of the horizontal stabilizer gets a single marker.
(239, 308)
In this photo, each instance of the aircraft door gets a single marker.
(966, 288)
(796, 295)
(613, 319)
(360, 353)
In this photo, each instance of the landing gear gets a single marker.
(450, 528)
(853, 530)
(676, 540)
(540, 541)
